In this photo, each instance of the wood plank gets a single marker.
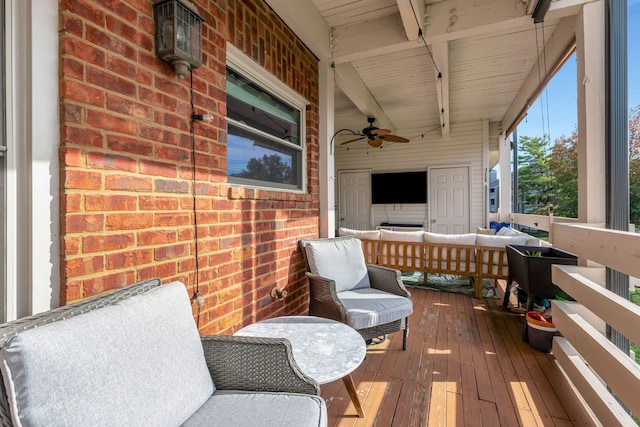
(465, 364)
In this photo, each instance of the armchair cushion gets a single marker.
(249, 409)
(340, 259)
(370, 307)
(78, 372)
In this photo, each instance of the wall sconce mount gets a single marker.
(178, 34)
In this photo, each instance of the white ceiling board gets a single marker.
(338, 13)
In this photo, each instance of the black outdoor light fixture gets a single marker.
(178, 34)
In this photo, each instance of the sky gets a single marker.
(555, 111)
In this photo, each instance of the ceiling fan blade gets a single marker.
(352, 140)
(375, 142)
(380, 132)
(395, 138)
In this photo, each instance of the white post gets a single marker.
(504, 147)
(326, 162)
(590, 31)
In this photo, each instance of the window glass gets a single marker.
(264, 145)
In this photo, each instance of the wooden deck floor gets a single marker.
(465, 365)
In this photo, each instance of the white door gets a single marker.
(355, 200)
(449, 200)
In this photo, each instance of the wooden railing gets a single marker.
(596, 367)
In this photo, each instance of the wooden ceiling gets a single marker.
(421, 65)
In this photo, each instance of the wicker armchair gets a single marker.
(239, 366)
(371, 299)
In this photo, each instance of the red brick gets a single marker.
(71, 245)
(83, 136)
(129, 107)
(98, 285)
(107, 121)
(169, 186)
(127, 259)
(129, 221)
(171, 219)
(71, 157)
(104, 243)
(83, 266)
(156, 237)
(159, 203)
(81, 180)
(151, 167)
(171, 252)
(111, 162)
(72, 68)
(84, 223)
(111, 82)
(107, 41)
(82, 93)
(128, 183)
(83, 51)
(111, 202)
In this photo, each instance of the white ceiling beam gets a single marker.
(563, 35)
(306, 22)
(440, 52)
(412, 15)
(369, 39)
(456, 19)
(348, 80)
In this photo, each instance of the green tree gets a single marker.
(563, 165)
(634, 166)
(270, 168)
(534, 179)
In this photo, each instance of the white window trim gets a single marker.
(32, 202)
(250, 69)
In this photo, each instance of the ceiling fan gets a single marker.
(375, 136)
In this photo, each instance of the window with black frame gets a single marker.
(264, 143)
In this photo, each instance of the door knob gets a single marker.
(433, 221)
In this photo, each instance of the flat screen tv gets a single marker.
(399, 187)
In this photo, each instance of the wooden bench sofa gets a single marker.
(476, 256)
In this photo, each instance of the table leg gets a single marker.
(353, 394)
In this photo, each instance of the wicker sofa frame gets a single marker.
(235, 363)
(324, 301)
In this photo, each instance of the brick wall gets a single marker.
(125, 163)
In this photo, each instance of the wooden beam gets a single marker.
(618, 312)
(348, 80)
(412, 15)
(306, 22)
(371, 38)
(553, 51)
(440, 53)
(595, 394)
(619, 250)
(617, 369)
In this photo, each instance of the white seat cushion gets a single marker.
(370, 307)
(452, 239)
(389, 251)
(340, 260)
(499, 242)
(360, 234)
(250, 409)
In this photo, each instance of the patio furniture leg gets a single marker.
(353, 394)
(405, 335)
(505, 300)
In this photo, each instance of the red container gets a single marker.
(540, 334)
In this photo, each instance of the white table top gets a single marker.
(324, 349)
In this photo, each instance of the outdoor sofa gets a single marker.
(478, 256)
(134, 357)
